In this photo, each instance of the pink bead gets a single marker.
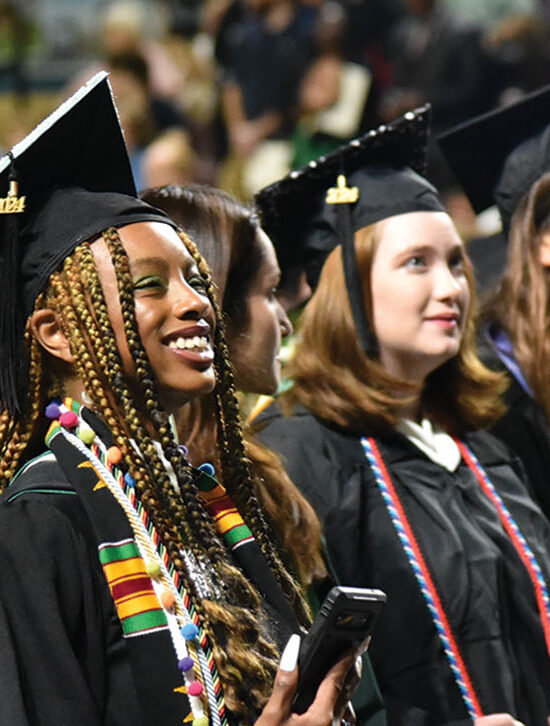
(195, 688)
(69, 420)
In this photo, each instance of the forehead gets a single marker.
(154, 240)
(414, 229)
(267, 251)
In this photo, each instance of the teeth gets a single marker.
(181, 343)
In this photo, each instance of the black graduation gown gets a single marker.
(525, 430)
(63, 657)
(484, 587)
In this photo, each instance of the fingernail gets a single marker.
(289, 658)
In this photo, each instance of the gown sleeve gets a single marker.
(60, 641)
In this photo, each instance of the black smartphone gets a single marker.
(343, 623)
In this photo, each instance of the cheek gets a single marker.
(145, 319)
(393, 303)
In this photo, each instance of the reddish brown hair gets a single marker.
(339, 383)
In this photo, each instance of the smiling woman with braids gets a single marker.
(134, 589)
(246, 274)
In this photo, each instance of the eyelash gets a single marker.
(149, 281)
(197, 282)
(152, 281)
(453, 262)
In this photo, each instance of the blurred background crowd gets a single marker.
(235, 93)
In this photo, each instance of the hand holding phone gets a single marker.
(342, 626)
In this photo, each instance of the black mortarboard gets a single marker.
(66, 182)
(497, 157)
(312, 210)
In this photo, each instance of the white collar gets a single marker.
(433, 441)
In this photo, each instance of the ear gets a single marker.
(46, 329)
(544, 249)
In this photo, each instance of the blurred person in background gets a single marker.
(17, 36)
(143, 116)
(265, 55)
(504, 157)
(436, 58)
(130, 26)
(333, 92)
(169, 159)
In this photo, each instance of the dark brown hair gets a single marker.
(521, 302)
(226, 233)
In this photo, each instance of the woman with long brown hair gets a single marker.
(246, 276)
(381, 432)
(125, 595)
(504, 157)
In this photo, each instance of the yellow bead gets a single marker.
(200, 721)
(86, 434)
(152, 567)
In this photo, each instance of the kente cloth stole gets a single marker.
(148, 593)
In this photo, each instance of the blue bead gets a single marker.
(186, 664)
(52, 411)
(207, 468)
(189, 631)
(184, 450)
(129, 480)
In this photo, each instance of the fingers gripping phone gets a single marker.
(342, 625)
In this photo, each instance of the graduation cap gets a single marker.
(496, 157)
(314, 209)
(66, 182)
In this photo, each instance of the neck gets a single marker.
(411, 410)
(75, 389)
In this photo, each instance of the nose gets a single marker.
(284, 322)
(447, 285)
(189, 302)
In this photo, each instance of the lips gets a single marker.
(445, 317)
(195, 338)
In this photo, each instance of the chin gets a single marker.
(172, 398)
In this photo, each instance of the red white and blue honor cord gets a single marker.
(422, 574)
(518, 540)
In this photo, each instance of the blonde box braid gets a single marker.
(17, 434)
(243, 673)
(235, 629)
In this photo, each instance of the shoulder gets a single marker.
(41, 505)
(489, 449)
(322, 461)
(302, 429)
(39, 476)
